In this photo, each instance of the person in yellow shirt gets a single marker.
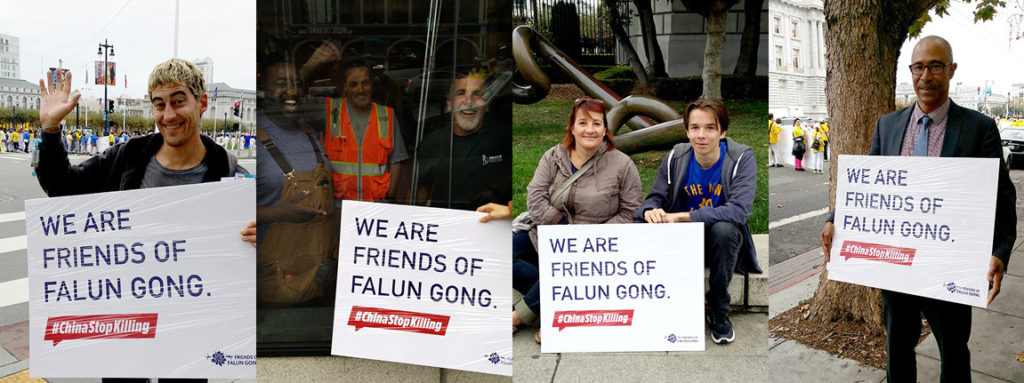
(799, 146)
(824, 127)
(773, 142)
(817, 147)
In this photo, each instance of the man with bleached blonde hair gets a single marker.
(178, 155)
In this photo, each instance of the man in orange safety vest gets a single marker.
(362, 139)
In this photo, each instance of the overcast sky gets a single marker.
(981, 50)
(142, 33)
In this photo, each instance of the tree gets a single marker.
(714, 13)
(655, 60)
(862, 44)
(746, 64)
(565, 29)
(615, 20)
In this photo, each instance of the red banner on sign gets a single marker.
(431, 324)
(581, 318)
(876, 252)
(107, 326)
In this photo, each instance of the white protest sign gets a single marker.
(622, 287)
(143, 283)
(916, 225)
(424, 286)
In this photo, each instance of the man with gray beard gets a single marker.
(469, 165)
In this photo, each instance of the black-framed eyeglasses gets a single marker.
(936, 67)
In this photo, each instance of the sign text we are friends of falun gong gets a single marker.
(916, 225)
(622, 287)
(424, 286)
(143, 283)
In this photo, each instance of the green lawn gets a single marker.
(542, 125)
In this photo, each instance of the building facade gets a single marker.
(10, 57)
(682, 35)
(20, 94)
(205, 65)
(796, 75)
(220, 108)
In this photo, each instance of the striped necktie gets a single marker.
(921, 144)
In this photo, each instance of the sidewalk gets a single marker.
(996, 332)
(745, 360)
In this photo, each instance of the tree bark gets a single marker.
(655, 60)
(714, 13)
(712, 74)
(862, 44)
(622, 37)
(746, 64)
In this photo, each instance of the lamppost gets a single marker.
(104, 49)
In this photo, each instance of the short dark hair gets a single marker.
(712, 105)
(354, 62)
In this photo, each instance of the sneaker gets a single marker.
(721, 327)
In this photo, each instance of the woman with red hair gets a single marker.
(582, 180)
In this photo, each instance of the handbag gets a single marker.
(524, 222)
(798, 146)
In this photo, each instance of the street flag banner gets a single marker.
(108, 75)
(424, 286)
(143, 283)
(916, 225)
(622, 287)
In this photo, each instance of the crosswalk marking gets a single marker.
(13, 243)
(15, 216)
(14, 292)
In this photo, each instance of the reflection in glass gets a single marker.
(399, 103)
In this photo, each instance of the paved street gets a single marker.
(798, 205)
(17, 184)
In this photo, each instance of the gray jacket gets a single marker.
(739, 184)
(608, 192)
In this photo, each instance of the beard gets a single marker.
(471, 123)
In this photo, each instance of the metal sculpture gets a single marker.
(643, 136)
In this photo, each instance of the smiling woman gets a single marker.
(583, 180)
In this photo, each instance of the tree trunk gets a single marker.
(655, 60)
(862, 44)
(746, 64)
(622, 37)
(712, 74)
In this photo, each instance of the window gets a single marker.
(778, 25)
(778, 56)
(391, 37)
(795, 24)
(796, 59)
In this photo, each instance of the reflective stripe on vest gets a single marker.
(360, 167)
(353, 169)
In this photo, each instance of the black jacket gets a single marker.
(968, 134)
(121, 167)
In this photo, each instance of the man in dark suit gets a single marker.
(935, 126)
